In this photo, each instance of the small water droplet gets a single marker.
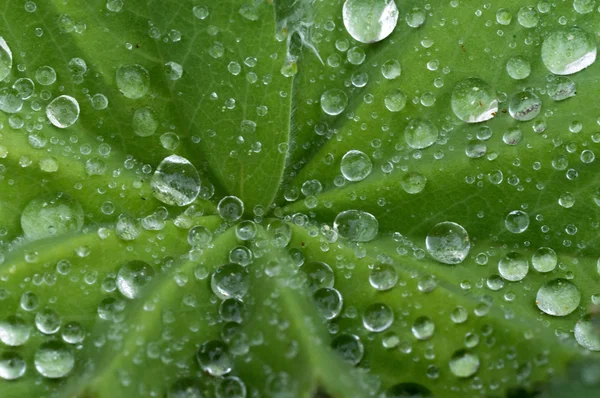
(448, 243)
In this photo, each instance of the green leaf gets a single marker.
(112, 250)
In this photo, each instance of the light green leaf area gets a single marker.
(132, 131)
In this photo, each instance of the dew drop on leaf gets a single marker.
(448, 243)
(230, 387)
(377, 317)
(6, 59)
(176, 181)
(587, 332)
(54, 359)
(474, 101)
(328, 302)
(517, 221)
(14, 331)
(12, 365)
(214, 358)
(51, 215)
(230, 281)
(356, 225)
(558, 297)
(524, 106)
(356, 165)
(423, 328)
(349, 347)
(568, 50)
(145, 121)
(544, 259)
(513, 267)
(318, 275)
(370, 21)
(464, 363)
(63, 111)
(518, 67)
(420, 133)
(383, 277)
(231, 208)
(133, 277)
(133, 81)
(413, 182)
(334, 101)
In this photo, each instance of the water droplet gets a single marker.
(395, 101)
(517, 221)
(63, 111)
(356, 225)
(383, 277)
(334, 101)
(464, 364)
(544, 259)
(587, 332)
(318, 275)
(391, 69)
(475, 149)
(377, 317)
(12, 365)
(6, 59)
(350, 348)
(558, 297)
(513, 267)
(24, 87)
(413, 182)
(524, 106)
(214, 358)
(133, 277)
(420, 133)
(415, 17)
(584, 6)
(54, 359)
(186, 387)
(230, 281)
(503, 16)
(231, 208)
(568, 50)
(528, 17)
(356, 165)
(459, 315)
(14, 331)
(45, 75)
(448, 243)
(560, 88)
(328, 302)
(474, 101)
(229, 387)
(173, 70)
(176, 181)
(518, 67)
(133, 81)
(73, 333)
(423, 328)
(199, 236)
(370, 21)
(145, 122)
(51, 215)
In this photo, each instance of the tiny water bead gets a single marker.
(474, 101)
(51, 215)
(513, 267)
(586, 332)
(54, 359)
(214, 358)
(423, 328)
(518, 67)
(524, 106)
(383, 277)
(568, 50)
(14, 331)
(63, 111)
(231, 208)
(334, 101)
(420, 133)
(12, 365)
(133, 81)
(356, 225)
(558, 297)
(349, 347)
(377, 317)
(413, 182)
(230, 281)
(176, 181)
(6, 59)
(517, 221)
(544, 259)
(133, 277)
(448, 243)
(370, 21)
(328, 302)
(356, 165)
(318, 275)
(464, 363)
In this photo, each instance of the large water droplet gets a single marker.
(464, 364)
(560, 88)
(133, 277)
(568, 50)
(349, 347)
(370, 21)
(383, 277)
(517, 221)
(587, 332)
(63, 111)
(133, 81)
(214, 358)
(356, 165)
(558, 297)
(356, 225)
(420, 133)
(544, 259)
(6, 59)
(474, 101)
(377, 317)
(230, 281)
(176, 181)
(14, 331)
(423, 328)
(334, 101)
(513, 267)
(518, 67)
(448, 243)
(12, 365)
(328, 302)
(54, 359)
(318, 275)
(524, 106)
(51, 215)
(231, 208)
(230, 387)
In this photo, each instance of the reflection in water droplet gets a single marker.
(51, 215)
(370, 21)
(54, 359)
(230, 281)
(524, 106)
(517, 221)
(176, 181)
(377, 317)
(334, 101)
(474, 101)
(544, 259)
(558, 297)
(356, 225)
(448, 243)
(587, 332)
(513, 267)
(350, 348)
(464, 364)
(133, 277)
(423, 328)
(383, 277)
(328, 302)
(231, 208)
(420, 133)
(214, 358)
(6, 59)
(318, 275)
(391, 69)
(568, 50)
(356, 165)
(560, 88)
(133, 81)
(12, 365)
(63, 111)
